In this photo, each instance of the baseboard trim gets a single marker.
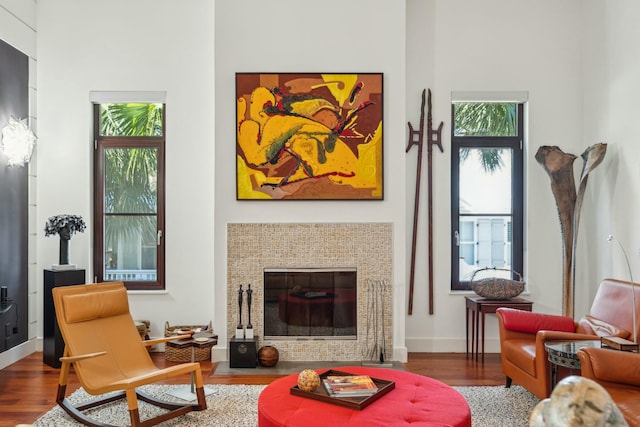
(430, 345)
(18, 352)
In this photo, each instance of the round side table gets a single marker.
(565, 353)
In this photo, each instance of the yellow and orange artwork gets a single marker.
(309, 136)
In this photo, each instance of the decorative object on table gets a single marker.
(18, 142)
(353, 402)
(268, 356)
(497, 287)
(349, 385)
(65, 226)
(559, 167)
(434, 137)
(577, 401)
(143, 327)
(308, 380)
(618, 343)
(309, 136)
(184, 354)
(611, 238)
(240, 328)
(248, 333)
(375, 347)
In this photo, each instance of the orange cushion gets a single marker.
(89, 306)
(521, 353)
(526, 321)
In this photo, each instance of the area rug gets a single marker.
(237, 405)
(499, 406)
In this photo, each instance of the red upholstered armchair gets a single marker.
(523, 334)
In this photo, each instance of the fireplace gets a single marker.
(253, 248)
(310, 303)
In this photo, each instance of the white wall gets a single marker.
(117, 45)
(494, 45)
(577, 60)
(286, 36)
(18, 28)
(611, 90)
(146, 45)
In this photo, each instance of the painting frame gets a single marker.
(309, 136)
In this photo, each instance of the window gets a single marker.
(487, 190)
(129, 194)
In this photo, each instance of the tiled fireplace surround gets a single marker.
(366, 246)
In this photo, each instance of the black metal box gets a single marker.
(243, 353)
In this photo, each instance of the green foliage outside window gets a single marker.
(131, 119)
(483, 119)
(131, 172)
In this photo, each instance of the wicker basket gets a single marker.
(496, 287)
(184, 354)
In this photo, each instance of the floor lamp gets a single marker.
(611, 238)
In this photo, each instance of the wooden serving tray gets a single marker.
(356, 402)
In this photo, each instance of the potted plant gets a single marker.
(65, 226)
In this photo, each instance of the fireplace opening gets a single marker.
(310, 303)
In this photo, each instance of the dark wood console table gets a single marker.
(479, 306)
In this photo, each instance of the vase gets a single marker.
(268, 356)
(64, 251)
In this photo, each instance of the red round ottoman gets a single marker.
(416, 400)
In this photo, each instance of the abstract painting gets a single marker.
(304, 136)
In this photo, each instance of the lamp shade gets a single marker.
(18, 141)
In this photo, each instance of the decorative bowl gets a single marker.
(497, 288)
(268, 356)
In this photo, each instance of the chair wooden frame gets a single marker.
(103, 344)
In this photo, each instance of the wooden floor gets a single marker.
(28, 387)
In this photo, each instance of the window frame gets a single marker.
(105, 142)
(516, 143)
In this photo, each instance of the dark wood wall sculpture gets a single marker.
(416, 137)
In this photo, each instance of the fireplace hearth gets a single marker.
(367, 248)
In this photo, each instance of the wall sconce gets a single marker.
(18, 141)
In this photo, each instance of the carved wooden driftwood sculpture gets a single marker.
(559, 167)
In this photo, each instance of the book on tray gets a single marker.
(350, 385)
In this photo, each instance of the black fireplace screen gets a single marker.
(310, 303)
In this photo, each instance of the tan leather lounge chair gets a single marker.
(523, 334)
(619, 373)
(103, 343)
